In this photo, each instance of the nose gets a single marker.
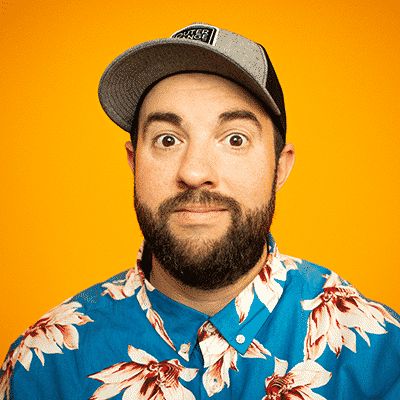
(197, 167)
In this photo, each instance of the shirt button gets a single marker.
(240, 339)
(185, 348)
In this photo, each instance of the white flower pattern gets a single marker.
(144, 378)
(220, 357)
(297, 384)
(335, 312)
(266, 287)
(49, 335)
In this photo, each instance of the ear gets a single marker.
(285, 165)
(130, 154)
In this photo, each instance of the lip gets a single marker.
(199, 210)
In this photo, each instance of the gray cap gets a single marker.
(196, 48)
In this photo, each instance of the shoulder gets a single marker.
(77, 310)
(321, 286)
(60, 331)
(356, 338)
(312, 276)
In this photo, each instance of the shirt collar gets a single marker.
(238, 322)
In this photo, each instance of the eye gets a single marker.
(236, 140)
(166, 140)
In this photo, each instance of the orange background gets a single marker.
(67, 219)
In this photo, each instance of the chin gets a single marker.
(196, 242)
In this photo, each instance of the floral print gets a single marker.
(266, 287)
(8, 367)
(297, 383)
(220, 357)
(144, 378)
(53, 331)
(124, 288)
(329, 317)
(335, 312)
(49, 335)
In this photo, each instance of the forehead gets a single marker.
(201, 91)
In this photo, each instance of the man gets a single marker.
(211, 309)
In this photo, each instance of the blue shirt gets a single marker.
(298, 331)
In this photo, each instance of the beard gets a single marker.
(200, 262)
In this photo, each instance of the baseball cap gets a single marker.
(198, 47)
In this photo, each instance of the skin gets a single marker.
(202, 131)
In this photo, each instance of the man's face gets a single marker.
(204, 178)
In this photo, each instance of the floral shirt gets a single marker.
(297, 332)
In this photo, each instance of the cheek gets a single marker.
(251, 182)
(258, 189)
(153, 181)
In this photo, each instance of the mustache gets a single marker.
(198, 197)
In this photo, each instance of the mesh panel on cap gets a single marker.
(274, 88)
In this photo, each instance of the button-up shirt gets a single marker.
(297, 331)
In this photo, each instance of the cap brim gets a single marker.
(129, 75)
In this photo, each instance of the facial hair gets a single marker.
(207, 263)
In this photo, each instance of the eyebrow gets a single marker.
(169, 117)
(239, 114)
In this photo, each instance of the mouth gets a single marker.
(197, 209)
(199, 215)
(200, 208)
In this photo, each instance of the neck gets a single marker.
(206, 301)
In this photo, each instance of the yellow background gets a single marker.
(67, 220)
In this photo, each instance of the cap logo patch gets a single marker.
(203, 33)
